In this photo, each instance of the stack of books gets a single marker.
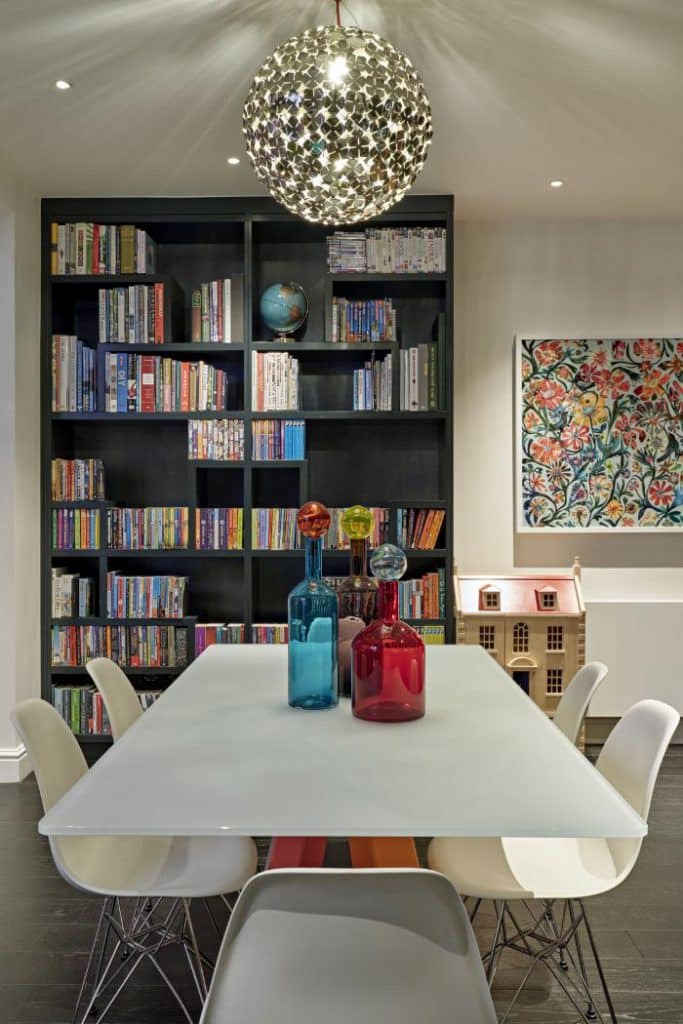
(131, 646)
(424, 598)
(77, 480)
(372, 386)
(75, 529)
(146, 597)
(218, 311)
(420, 378)
(336, 539)
(215, 440)
(274, 529)
(133, 315)
(346, 252)
(419, 528)
(147, 697)
(363, 320)
(405, 250)
(269, 633)
(87, 248)
(156, 529)
(274, 381)
(73, 375)
(208, 633)
(141, 383)
(83, 710)
(72, 595)
(278, 440)
(432, 633)
(219, 529)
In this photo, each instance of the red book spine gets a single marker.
(147, 388)
(159, 314)
(184, 387)
(95, 269)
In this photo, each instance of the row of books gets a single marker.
(141, 383)
(218, 311)
(132, 315)
(404, 250)
(87, 248)
(129, 646)
(73, 375)
(146, 597)
(274, 529)
(77, 480)
(431, 633)
(154, 528)
(219, 529)
(75, 529)
(363, 320)
(206, 634)
(72, 594)
(215, 440)
(423, 598)
(420, 378)
(419, 528)
(278, 440)
(274, 381)
(83, 710)
(372, 385)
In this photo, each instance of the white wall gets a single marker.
(563, 278)
(19, 458)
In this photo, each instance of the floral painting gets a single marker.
(600, 434)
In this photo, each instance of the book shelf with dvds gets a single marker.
(392, 458)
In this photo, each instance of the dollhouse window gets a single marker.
(487, 637)
(489, 599)
(555, 638)
(520, 638)
(553, 681)
(546, 599)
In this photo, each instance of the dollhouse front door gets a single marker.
(523, 679)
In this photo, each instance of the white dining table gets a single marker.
(222, 753)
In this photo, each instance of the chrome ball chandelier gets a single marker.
(337, 124)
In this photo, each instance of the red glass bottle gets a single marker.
(388, 655)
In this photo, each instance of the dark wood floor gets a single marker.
(46, 927)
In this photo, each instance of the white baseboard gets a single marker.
(15, 763)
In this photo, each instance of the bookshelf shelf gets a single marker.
(377, 458)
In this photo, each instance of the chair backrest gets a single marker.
(57, 759)
(391, 947)
(120, 699)
(631, 759)
(574, 702)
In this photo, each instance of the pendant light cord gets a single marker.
(337, 4)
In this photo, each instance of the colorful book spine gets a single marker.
(77, 480)
(155, 529)
(88, 248)
(274, 381)
(423, 598)
(269, 633)
(217, 307)
(219, 529)
(146, 597)
(278, 440)
(363, 321)
(336, 539)
(274, 529)
(83, 710)
(141, 383)
(129, 646)
(419, 528)
(406, 250)
(215, 440)
(132, 315)
(432, 633)
(209, 633)
(372, 386)
(73, 375)
(72, 595)
(75, 529)
(419, 378)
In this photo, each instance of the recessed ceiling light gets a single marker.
(62, 84)
(233, 160)
(556, 183)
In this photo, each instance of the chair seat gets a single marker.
(516, 869)
(185, 866)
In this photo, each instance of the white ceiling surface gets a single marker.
(522, 91)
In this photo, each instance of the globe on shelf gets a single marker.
(337, 124)
(284, 308)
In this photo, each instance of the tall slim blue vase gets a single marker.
(312, 613)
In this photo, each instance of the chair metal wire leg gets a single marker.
(496, 947)
(576, 922)
(598, 964)
(195, 948)
(91, 956)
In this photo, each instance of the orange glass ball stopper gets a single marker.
(313, 519)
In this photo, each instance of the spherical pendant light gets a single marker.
(337, 124)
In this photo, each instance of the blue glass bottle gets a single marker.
(312, 613)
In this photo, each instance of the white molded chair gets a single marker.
(386, 947)
(551, 870)
(573, 706)
(145, 868)
(119, 696)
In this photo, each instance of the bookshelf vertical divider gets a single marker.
(387, 459)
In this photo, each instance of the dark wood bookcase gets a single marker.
(389, 459)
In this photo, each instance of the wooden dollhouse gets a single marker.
(533, 626)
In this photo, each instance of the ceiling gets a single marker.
(522, 91)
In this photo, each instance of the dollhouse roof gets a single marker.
(518, 595)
